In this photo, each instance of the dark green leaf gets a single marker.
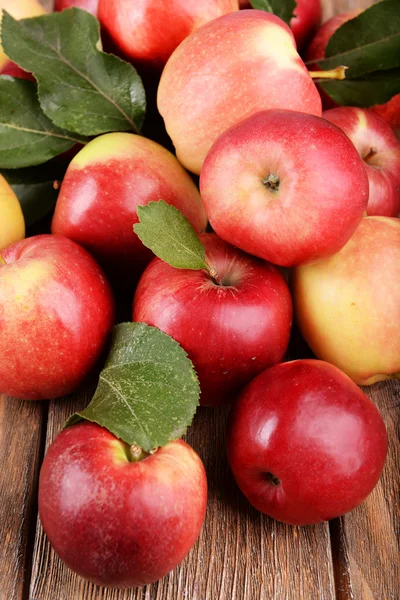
(80, 88)
(375, 88)
(281, 8)
(27, 136)
(370, 42)
(171, 237)
(148, 390)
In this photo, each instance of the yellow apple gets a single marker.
(12, 225)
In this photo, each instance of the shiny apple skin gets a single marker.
(231, 333)
(12, 69)
(147, 32)
(322, 194)
(120, 523)
(307, 424)
(88, 5)
(56, 310)
(368, 132)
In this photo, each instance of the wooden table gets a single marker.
(241, 554)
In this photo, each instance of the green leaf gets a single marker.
(281, 8)
(374, 88)
(27, 136)
(370, 42)
(148, 390)
(171, 237)
(80, 88)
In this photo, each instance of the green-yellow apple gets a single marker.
(225, 71)
(348, 305)
(285, 186)
(380, 149)
(12, 224)
(101, 190)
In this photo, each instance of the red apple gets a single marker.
(348, 305)
(114, 521)
(229, 69)
(88, 5)
(285, 186)
(147, 32)
(102, 188)
(379, 148)
(390, 112)
(304, 443)
(307, 17)
(56, 310)
(232, 329)
(10, 68)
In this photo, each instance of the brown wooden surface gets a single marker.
(241, 554)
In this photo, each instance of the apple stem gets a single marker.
(2, 261)
(336, 73)
(371, 153)
(214, 275)
(136, 453)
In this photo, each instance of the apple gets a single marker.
(348, 306)
(12, 69)
(114, 520)
(12, 224)
(147, 33)
(390, 111)
(285, 186)
(307, 17)
(227, 70)
(19, 9)
(104, 184)
(304, 443)
(380, 149)
(56, 312)
(231, 328)
(88, 5)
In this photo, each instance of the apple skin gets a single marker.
(309, 426)
(88, 5)
(12, 224)
(102, 188)
(249, 61)
(12, 69)
(372, 135)
(115, 522)
(147, 32)
(56, 312)
(318, 187)
(348, 306)
(231, 331)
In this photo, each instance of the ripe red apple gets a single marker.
(147, 33)
(229, 69)
(304, 443)
(380, 149)
(88, 5)
(390, 111)
(114, 521)
(348, 305)
(102, 188)
(10, 68)
(231, 330)
(56, 310)
(308, 14)
(285, 186)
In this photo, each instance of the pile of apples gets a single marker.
(286, 189)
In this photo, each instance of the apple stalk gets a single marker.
(2, 261)
(338, 73)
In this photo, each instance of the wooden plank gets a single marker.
(241, 555)
(20, 437)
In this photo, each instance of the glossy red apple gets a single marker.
(88, 5)
(348, 305)
(112, 520)
(380, 149)
(101, 190)
(227, 70)
(231, 330)
(56, 310)
(147, 32)
(273, 186)
(305, 444)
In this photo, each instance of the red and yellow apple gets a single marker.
(114, 520)
(12, 224)
(227, 70)
(348, 305)
(88, 5)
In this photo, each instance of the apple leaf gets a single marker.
(281, 8)
(369, 42)
(374, 88)
(148, 390)
(81, 88)
(27, 136)
(171, 237)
